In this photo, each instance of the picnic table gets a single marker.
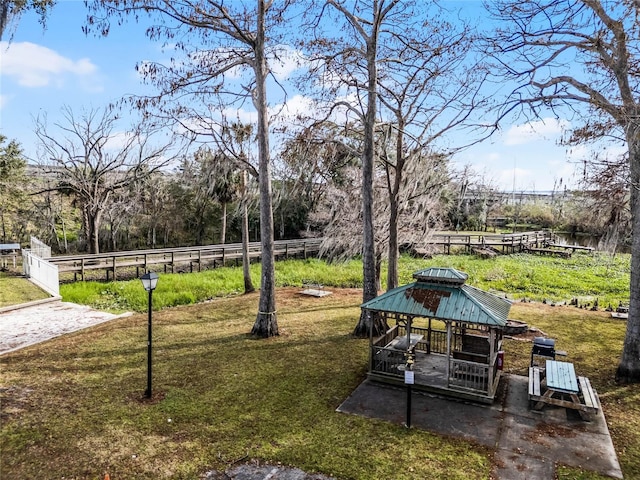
(559, 385)
(401, 343)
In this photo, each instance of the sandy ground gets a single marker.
(31, 325)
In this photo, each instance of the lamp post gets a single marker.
(409, 380)
(149, 282)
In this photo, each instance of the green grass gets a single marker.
(16, 290)
(72, 407)
(585, 277)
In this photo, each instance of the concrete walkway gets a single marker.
(528, 444)
(22, 327)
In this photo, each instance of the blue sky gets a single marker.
(43, 70)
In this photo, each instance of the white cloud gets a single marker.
(285, 60)
(4, 99)
(240, 115)
(37, 66)
(118, 141)
(296, 105)
(532, 131)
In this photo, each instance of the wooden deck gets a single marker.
(549, 252)
(430, 372)
(505, 243)
(573, 248)
(468, 373)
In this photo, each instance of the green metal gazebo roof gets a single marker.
(440, 293)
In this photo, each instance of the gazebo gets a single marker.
(454, 330)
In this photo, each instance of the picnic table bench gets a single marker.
(314, 289)
(558, 384)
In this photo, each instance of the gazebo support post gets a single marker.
(448, 351)
(371, 344)
(492, 352)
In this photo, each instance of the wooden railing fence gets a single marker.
(169, 258)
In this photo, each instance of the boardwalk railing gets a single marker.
(169, 258)
(506, 243)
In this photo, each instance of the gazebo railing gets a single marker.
(386, 360)
(469, 375)
(385, 339)
(439, 341)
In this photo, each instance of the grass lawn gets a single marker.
(73, 407)
(15, 290)
(585, 277)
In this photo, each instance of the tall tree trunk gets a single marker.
(246, 261)
(64, 235)
(223, 235)
(394, 253)
(112, 236)
(629, 367)
(266, 324)
(94, 219)
(4, 227)
(378, 270)
(369, 290)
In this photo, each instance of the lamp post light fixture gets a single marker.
(149, 282)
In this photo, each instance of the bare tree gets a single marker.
(584, 55)
(237, 35)
(92, 160)
(429, 88)
(606, 182)
(350, 62)
(10, 11)
(419, 194)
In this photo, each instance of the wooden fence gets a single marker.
(169, 258)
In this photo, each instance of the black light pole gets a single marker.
(149, 282)
(409, 380)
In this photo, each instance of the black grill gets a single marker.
(543, 347)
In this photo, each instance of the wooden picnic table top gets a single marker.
(400, 343)
(561, 376)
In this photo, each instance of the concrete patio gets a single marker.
(528, 444)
